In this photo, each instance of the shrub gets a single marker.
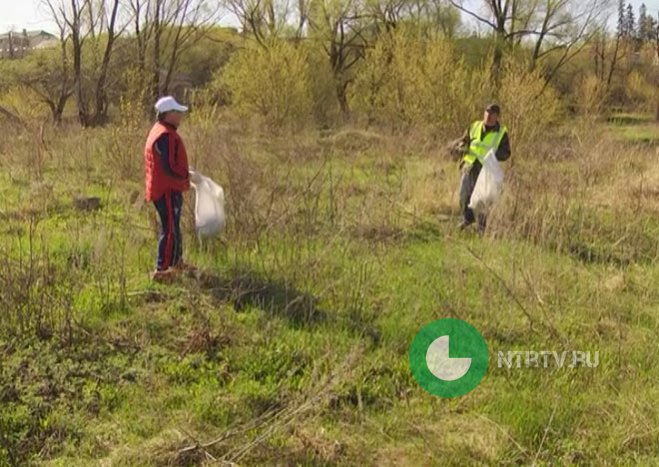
(590, 96)
(326, 109)
(271, 82)
(528, 105)
(132, 108)
(407, 80)
(641, 93)
(24, 103)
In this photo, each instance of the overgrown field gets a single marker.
(291, 348)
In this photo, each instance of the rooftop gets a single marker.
(30, 34)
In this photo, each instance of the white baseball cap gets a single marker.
(169, 104)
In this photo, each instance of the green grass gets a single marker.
(292, 348)
(634, 128)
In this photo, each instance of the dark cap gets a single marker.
(493, 109)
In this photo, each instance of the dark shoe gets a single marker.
(464, 224)
(164, 277)
(482, 223)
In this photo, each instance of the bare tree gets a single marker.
(78, 21)
(69, 16)
(158, 22)
(606, 57)
(101, 107)
(192, 23)
(343, 29)
(500, 14)
(163, 30)
(567, 45)
(141, 14)
(387, 14)
(550, 26)
(50, 77)
(434, 17)
(265, 19)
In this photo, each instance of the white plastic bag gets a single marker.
(488, 184)
(210, 218)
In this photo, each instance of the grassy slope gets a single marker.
(292, 347)
(635, 128)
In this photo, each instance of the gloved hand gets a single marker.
(457, 149)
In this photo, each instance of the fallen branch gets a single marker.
(274, 420)
(505, 286)
(544, 436)
(12, 117)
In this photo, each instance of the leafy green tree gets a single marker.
(272, 83)
(408, 81)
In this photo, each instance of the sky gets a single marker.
(31, 14)
(24, 14)
(16, 15)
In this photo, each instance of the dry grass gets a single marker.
(336, 242)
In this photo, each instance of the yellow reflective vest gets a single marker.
(478, 148)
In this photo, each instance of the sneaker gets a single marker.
(164, 277)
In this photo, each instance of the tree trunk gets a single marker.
(342, 97)
(83, 115)
(497, 60)
(614, 62)
(499, 45)
(172, 65)
(101, 111)
(53, 111)
(59, 110)
(157, 33)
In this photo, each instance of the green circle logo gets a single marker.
(448, 357)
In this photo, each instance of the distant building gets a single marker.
(19, 44)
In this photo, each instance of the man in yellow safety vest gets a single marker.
(478, 140)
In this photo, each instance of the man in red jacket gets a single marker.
(167, 178)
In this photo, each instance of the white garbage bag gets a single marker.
(488, 184)
(210, 218)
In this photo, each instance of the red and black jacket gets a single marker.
(165, 161)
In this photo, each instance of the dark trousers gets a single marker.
(467, 184)
(170, 245)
